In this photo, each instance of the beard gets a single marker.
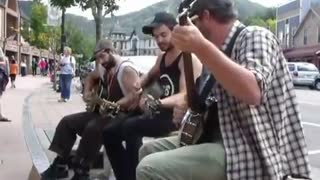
(110, 63)
(164, 47)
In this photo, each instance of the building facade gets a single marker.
(308, 33)
(133, 45)
(10, 20)
(307, 39)
(12, 16)
(289, 16)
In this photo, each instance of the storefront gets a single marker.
(309, 54)
(11, 50)
(25, 56)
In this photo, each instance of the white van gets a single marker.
(304, 74)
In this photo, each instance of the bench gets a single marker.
(101, 167)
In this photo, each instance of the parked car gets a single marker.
(304, 74)
(317, 83)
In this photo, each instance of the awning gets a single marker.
(308, 51)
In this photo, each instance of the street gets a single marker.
(309, 101)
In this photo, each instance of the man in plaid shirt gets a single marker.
(260, 124)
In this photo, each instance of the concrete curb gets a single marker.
(38, 155)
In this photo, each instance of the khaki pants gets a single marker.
(163, 160)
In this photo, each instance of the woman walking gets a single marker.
(23, 66)
(13, 72)
(67, 69)
(34, 67)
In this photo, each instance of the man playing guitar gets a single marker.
(121, 79)
(261, 135)
(168, 72)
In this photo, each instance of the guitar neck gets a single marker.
(188, 71)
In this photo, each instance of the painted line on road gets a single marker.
(314, 152)
(311, 124)
(309, 103)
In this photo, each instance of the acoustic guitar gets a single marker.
(99, 104)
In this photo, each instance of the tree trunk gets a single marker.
(98, 21)
(63, 36)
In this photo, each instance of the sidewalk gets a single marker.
(15, 162)
(47, 111)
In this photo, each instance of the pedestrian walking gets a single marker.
(23, 67)
(34, 67)
(67, 70)
(13, 72)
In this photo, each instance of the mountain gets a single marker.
(135, 20)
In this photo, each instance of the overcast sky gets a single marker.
(127, 6)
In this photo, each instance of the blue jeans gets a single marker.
(65, 85)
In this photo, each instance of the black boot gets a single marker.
(58, 169)
(81, 174)
(81, 169)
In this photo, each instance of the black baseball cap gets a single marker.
(161, 18)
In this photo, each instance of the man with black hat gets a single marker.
(168, 71)
(121, 79)
(259, 121)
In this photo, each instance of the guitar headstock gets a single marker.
(184, 9)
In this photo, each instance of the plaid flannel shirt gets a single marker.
(263, 142)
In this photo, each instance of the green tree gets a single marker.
(255, 21)
(100, 9)
(39, 37)
(54, 38)
(63, 4)
(25, 31)
(79, 42)
(271, 25)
